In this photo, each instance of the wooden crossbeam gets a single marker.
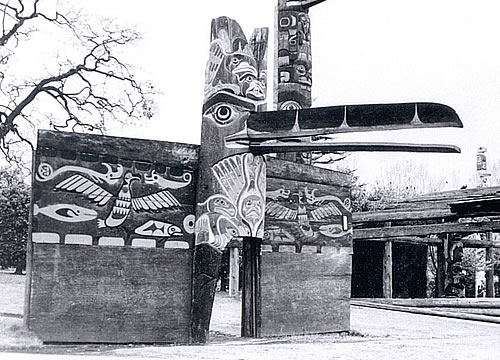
(425, 230)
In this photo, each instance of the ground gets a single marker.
(375, 334)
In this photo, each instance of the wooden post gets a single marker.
(441, 270)
(387, 270)
(490, 288)
(234, 272)
(251, 302)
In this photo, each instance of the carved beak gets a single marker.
(295, 130)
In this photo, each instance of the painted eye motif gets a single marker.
(249, 78)
(223, 114)
(301, 69)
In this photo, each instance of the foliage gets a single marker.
(81, 87)
(14, 219)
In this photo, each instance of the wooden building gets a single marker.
(390, 245)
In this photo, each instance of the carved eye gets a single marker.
(249, 78)
(223, 114)
(301, 69)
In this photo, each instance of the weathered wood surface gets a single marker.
(303, 208)
(425, 311)
(282, 169)
(447, 204)
(104, 186)
(110, 295)
(424, 230)
(234, 271)
(490, 271)
(305, 293)
(387, 270)
(231, 185)
(206, 263)
(459, 303)
(251, 305)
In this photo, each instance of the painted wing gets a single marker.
(279, 211)
(325, 211)
(81, 185)
(214, 61)
(157, 201)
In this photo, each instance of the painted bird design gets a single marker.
(124, 202)
(306, 208)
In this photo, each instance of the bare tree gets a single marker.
(84, 85)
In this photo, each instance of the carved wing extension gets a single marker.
(81, 185)
(160, 200)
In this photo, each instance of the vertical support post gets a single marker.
(251, 302)
(441, 269)
(490, 289)
(234, 272)
(387, 270)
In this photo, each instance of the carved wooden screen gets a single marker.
(306, 251)
(112, 239)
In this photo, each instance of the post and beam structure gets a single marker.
(490, 276)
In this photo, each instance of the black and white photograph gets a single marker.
(240, 180)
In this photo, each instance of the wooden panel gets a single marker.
(106, 186)
(110, 295)
(302, 213)
(305, 293)
(289, 170)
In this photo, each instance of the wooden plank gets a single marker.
(234, 271)
(104, 186)
(305, 293)
(401, 214)
(424, 230)
(387, 270)
(283, 169)
(110, 294)
(459, 303)
(109, 147)
(302, 213)
(453, 315)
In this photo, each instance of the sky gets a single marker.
(364, 52)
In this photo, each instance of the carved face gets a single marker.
(251, 208)
(302, 72)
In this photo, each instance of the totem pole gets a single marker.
(231, 187)
(236, 132)
(293, 65)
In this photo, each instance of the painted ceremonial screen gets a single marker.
(112, 239)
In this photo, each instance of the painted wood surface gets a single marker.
(306, 290)
(305, 211)
(133, 191)
(98, 203)
(231, 187)
(305, 293)
(110, 294)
